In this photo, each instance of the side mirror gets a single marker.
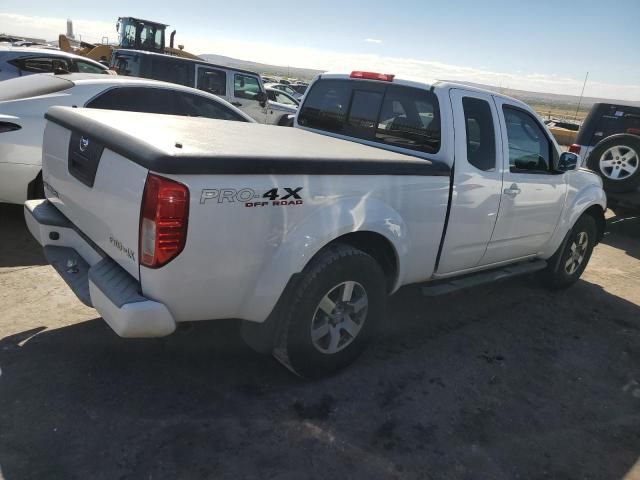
(262, 98)
(568, 161)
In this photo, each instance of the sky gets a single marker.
(538, 45)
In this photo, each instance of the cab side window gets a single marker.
(171, 70)
(245, 86)
(481, 138)
(212, 81)
(41, 64)
(529, 146)
(282, 98)
(86, 67)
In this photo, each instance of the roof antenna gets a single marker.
(581, 94)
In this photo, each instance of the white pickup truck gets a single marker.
(156, 220)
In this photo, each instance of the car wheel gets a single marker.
(617, 160)
(567, 264)
(334, 311)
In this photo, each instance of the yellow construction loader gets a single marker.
(133, 33)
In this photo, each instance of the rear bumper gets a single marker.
(95, 278)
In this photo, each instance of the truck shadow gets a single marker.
(623, 232)
(484, 381)
(17, 247)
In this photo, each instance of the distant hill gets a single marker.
(540, 98)
(262, 68)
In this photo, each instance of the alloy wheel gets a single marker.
(619, 162)
(339, 317)
(577, 252)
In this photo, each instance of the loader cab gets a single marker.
(138, 34)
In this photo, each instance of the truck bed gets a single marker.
(205, 146)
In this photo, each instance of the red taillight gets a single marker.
(385, 77)
(633, 131)
(163, 221)
(575, 148)
(8, 127)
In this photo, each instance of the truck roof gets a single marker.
(437, 85)
(181, 145)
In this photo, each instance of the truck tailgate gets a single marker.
(98, 190)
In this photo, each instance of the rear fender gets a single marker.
(306, 239)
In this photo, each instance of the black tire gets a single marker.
(627, 142)
(333, 268)
(559, 273)
(35, 190)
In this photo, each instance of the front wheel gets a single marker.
(567, 264)
(334, 311)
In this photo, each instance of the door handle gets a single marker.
(236, 104)
(513, 190)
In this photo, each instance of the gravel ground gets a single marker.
(505, 381)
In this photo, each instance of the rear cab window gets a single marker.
(395, 115)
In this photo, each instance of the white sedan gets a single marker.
(24, 101)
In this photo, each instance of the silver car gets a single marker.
(21, 61)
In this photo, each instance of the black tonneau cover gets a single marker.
(188, 145)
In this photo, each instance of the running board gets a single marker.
(442, 287)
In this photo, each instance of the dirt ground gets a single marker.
(502, 382)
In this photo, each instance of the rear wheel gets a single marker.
(617, 160)
(333, 313)
(567, 264)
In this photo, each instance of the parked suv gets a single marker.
(609, 143)
(20, 61)
(241, 88)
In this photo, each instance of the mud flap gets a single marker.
(270, 336)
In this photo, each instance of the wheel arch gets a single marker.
(586, 199)
(615, 137)
(367, 224)
(375, 245)
(597, 213)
